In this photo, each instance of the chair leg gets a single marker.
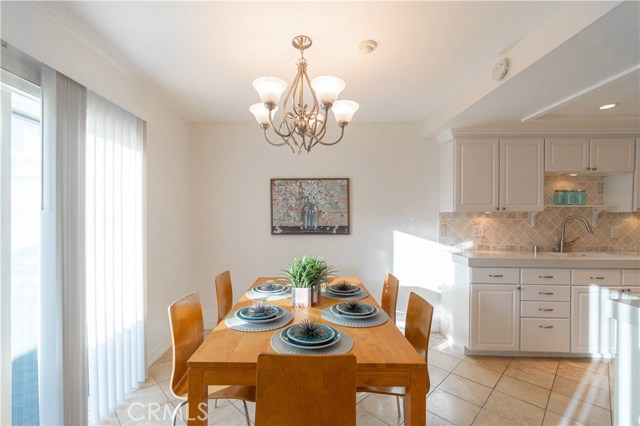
(215, 401)
(398, 405)
(246, 412)
(174, 417)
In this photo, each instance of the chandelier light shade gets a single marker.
(269, 88)
(261, 113)
(327, 88)
(303, 126)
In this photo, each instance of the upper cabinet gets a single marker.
(498, 174)
(476, 175)
(589, 155)
(521, 175)
(506, 173)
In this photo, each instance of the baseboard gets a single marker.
(156, 353)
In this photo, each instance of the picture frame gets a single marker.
(310, 206)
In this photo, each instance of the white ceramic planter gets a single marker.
(301, 297)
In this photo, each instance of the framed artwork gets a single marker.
(309, 206)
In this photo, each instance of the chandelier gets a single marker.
(303, 126)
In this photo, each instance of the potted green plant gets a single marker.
(305, 275)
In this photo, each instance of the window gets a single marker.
(22, 153)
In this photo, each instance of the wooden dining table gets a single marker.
(384, 357)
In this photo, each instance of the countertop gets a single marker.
(506, 259)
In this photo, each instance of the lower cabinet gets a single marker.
(495, 317)
(590, 322)
(550, 310)
(544, 334)
(545, 317)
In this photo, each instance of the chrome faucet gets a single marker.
(564, 243)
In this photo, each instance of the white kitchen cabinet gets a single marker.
(591, 329)
(545, 334)
(494, 306)
(631, 277)
(636, 179)
(597, 155)
(612, 155)
(476, 175)
(492, 174)
(610, 277)
(566, 155)
(546, 293)
(521, 175)
(495, 317)
(545, 310)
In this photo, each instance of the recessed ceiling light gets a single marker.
(573, 174)
(608, 106)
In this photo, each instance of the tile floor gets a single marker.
(465, 390)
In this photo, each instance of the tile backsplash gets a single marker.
(510, 231)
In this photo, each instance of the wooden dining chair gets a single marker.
(390, 296)
(187, 334)
(224, 294)
(306, 390)
(417, 331)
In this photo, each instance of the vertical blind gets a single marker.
(114, 254)
(62, 344)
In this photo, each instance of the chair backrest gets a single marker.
(390, 296)
(306, 390)
(224, 294)
(418, 324)
(187, 334)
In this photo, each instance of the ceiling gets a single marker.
(203, 56)
(563, 89)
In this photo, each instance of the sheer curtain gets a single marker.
(114, 254)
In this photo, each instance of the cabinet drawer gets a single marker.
(545, 309)
(552, 293)
(631, 278)
(544, 335)
(595, 276)
(495, 275)
(545, 276)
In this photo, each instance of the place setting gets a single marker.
(353, 313)
(270, 290)
(311, 337)
(258, 317)
(343, 290)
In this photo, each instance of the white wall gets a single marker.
(28, 27)
(394, 187)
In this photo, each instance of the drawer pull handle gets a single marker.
(545, 293)
(496, 275)
(545, 326)
(545, 276)
(596, 278)
(545, 309)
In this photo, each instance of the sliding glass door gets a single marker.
(21, 244)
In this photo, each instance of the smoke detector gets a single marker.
(367, 46)
(501, 69)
